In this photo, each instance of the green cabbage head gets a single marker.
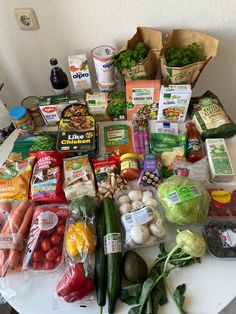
(185, 201)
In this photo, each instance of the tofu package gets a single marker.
(221, 169)
(79, 70)
(173, 102)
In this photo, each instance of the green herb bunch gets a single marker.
(117, 105)
(179, 57)
(131, 57)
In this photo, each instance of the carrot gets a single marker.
(25, 225)
(5, 228)
(14, 258)
(18, 215)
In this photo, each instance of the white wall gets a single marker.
(69, 27)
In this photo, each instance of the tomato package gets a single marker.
(46, 183)
(15, 221)
(45, 243)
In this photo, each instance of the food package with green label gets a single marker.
(210, 118)
(168, 147)
(185, 201)
(118, 138)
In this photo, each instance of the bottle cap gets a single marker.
(53, 61)
(17, 113)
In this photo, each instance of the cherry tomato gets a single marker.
(46, 245)
(52, 254)
(38, 256)
(57, 260)
(61, 229)
(49, 265)
(55, 239)
(37, 265)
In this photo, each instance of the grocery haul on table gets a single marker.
(95, 174)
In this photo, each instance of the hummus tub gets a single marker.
(102, 57)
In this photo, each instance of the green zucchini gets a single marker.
(100, 260)
(113, 259)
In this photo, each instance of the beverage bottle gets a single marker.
(58, 78)
(194, 147)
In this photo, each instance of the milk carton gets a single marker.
(79, 70)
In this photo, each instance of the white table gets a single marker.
(210, 285)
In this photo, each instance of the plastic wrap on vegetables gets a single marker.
(185, 201)
(45, 243)
(142, 220)
(15, 221)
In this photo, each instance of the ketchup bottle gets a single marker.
(194, 147)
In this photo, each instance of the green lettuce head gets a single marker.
(185, 201)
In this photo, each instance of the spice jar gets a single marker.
(22, 120)
(129, 166)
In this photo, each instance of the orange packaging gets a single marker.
(118, 138)
(142, 99)
(15, 179)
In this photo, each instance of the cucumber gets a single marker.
(100, 260)
(113, 259)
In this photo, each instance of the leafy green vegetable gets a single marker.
(179, 57)
(129, 58)
(117, 105)
(185, 200)
(152, 293)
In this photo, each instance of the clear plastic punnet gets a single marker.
(141, 217)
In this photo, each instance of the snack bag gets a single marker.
(46, 183)
(15, 221)
(15, 179)
(79, 178)
(45, 243)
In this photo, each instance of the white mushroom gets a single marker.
(125, 208)
(123, 199)
(136, 205)
(157, 230)
(139, 234)
(135, 195)
(151, 240)
(130, 243)
(147, 195)
(152, 203)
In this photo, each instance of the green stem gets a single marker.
(169, 256)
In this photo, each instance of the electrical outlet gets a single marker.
(26, 19)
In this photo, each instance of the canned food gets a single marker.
(31, 104)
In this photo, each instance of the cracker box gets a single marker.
(173, 102)
(142, 99)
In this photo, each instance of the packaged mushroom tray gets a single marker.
(141, 218)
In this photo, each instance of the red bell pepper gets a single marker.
(74, 285)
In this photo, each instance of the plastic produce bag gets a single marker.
(15, 221)
(45, 243)
(185, 201)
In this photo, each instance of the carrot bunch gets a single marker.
(14, 231)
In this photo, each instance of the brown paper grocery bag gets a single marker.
(188, 74)
(147, 69)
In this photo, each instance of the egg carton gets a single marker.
(142, 219)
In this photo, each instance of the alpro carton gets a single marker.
(142, 99)
(221, 169)
(79, 70)
(173, 102)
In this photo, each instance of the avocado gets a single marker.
(134, 267)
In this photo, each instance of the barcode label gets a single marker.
(174, 198)
(195, 191)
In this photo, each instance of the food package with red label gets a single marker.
(45, 243)
(15, 221)
(46, 182)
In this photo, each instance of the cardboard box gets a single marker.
(51, 107)
(221, 169)
(173, 102)
(142, 99)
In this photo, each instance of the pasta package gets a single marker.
(79, 178)
(46, 184)
(15, 179)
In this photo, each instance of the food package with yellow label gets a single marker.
(15, 179)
